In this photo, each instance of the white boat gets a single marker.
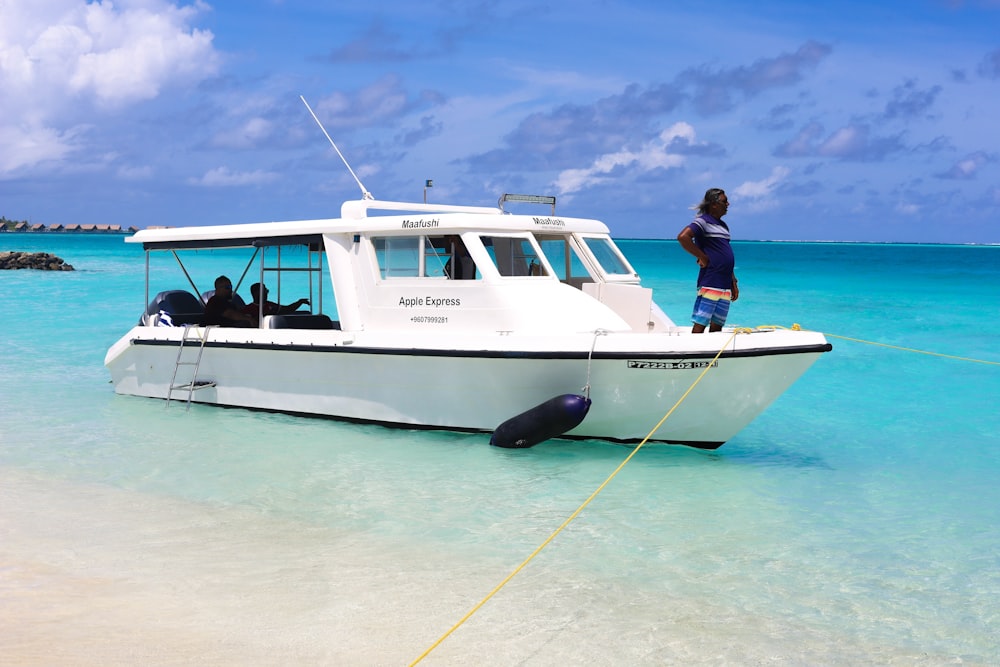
(553, 308)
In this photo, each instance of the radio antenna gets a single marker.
(364, 192)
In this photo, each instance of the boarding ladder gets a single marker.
(194, 334)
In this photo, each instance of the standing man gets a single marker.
(707, 238)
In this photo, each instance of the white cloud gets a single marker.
(152, 51)
(763, 187)
(758, 194)
(560, 79)
(247, 135)
(223, 177)
(23, 146)
(63, 60)
(131, 173)
(101, 51)
(969, 166)
(654, 154)
(845, 141)
(381, 100)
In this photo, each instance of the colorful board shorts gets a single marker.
(711, 306)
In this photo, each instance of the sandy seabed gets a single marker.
(92, 575)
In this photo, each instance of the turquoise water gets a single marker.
(855, 522)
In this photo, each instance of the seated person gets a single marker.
(220, 309)
(460, 266)
(259, 294)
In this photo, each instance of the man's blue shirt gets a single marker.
(712, 236)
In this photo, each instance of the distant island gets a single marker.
(21, 226)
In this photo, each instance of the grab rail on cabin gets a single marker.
(357, 209)
(530, 199)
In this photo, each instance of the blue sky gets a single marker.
(865, 121)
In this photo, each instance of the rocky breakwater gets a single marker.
(33, 260)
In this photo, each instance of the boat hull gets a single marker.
(633, 380)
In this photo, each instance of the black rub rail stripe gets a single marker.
(492, 354)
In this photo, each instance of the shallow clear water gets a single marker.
(854, 522)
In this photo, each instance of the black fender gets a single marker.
(546, 420)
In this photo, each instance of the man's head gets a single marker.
(715, 203)
(223, 283)
(255, 292)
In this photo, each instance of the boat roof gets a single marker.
(419, 219)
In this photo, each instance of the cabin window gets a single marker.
(424, 256)
(398, 256)
(514, 256)
(565, 261)
(447, 256)
(437, 252)
(608, 257)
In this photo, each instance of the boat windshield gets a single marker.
(608, 256)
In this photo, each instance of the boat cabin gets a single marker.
(432, 268)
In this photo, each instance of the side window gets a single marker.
(398, 256)
(447, 256)
(436, 256)
(608, 257)
(428, 256)
(514, 256)
(564, 260)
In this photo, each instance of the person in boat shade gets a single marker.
(460, 266)
(259, 292)
(707, 238)
(220, 309)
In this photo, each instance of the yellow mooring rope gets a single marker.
(796, 327)
(736, 331)
(579, 509)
